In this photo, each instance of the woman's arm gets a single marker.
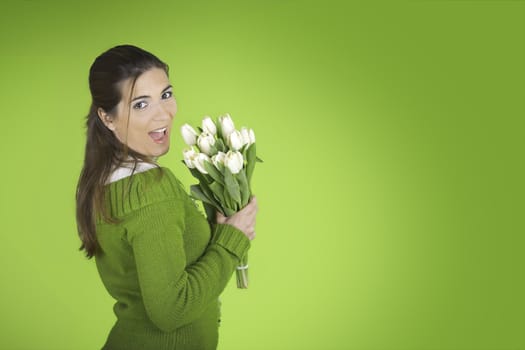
(175, 294)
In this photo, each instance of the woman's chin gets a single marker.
(162, 152)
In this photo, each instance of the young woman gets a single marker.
(156, 253)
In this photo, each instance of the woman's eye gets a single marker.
(167, 94)
(138, 105)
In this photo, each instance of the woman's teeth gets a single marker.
(160, 130)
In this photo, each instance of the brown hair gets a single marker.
(103, 150)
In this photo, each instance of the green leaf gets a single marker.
(245, 189)
(232, 186)
(213, 172)
(220, 144)
(213, 149)
(203, 178)
(259, 160)
(197, 174)
(211, 212)
(218, 191)
(229, 203)
(221, 169)
(219, 129)
(203, 187)
(197, 193)
(229, 212)
(251, 154)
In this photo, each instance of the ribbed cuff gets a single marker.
(232, 239)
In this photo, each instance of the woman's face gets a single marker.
(152, 108)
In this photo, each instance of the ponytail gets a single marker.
(99, 157)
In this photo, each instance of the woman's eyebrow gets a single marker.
(144, 96)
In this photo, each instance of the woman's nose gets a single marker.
(164, 111)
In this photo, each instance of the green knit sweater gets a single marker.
(164, 265)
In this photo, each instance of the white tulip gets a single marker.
(234, 161)
(199, 160)
(235, 140)
(209, 126)
(218, 159)
(189, 157)
(227, 125)
(188, 134)
(205, 141)
(252, 136)
(245, 136)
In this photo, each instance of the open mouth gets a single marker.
(159, 135)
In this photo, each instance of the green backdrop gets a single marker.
(391, 197)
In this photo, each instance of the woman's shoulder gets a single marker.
(143, 188)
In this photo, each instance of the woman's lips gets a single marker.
(159, 135)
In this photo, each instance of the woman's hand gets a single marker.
(243, 220)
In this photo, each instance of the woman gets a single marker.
(155, 252)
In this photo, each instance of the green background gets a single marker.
(391, 197)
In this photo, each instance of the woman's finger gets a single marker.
(251, 207)
(220, 218)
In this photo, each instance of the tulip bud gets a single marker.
(245, 136)
(252, 136)
(218, 159)
(188, 134)
(205, 141)
(189, 157)
(235, 140)
(234, 161)
(209, 126)
(199, 160)
(227, 125)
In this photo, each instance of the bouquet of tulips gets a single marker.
(222, 159)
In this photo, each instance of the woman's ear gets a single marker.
(106, 119)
